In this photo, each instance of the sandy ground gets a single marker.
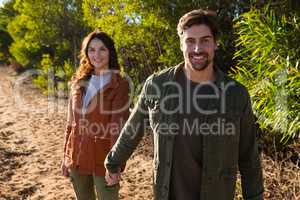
(31, 140)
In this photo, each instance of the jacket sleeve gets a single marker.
(68, 124)
(120, 111)
(249, 160)
(130, 135)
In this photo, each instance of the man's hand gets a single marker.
(112, 178)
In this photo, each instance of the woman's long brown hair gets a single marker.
(86, 68)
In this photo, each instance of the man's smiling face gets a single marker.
(198, 46)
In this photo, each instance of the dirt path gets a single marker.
(31, 138)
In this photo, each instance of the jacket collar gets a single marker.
(115, 80)
(219, 74)
(114, 83)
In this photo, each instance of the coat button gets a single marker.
(166, 187)
(169, 164)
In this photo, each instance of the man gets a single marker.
(202, 122)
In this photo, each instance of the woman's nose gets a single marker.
(98, 53)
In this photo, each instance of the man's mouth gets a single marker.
(198, 57)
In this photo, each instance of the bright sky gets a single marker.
(2, 2)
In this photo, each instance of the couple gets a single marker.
(188, 164)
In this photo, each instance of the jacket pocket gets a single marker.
(72, 148)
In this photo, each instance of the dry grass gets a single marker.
(282, 179)
(281, 174)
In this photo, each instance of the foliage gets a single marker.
(64, 73)
(268, 64)
(43, 79)
(52, 79)
(137, 32)
(43, 27)
(145, 31)
(7, 13)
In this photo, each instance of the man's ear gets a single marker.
(217, 43)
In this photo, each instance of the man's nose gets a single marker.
(197, 47)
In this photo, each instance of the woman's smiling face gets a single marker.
(98, 55)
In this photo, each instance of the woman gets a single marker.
(98, 107)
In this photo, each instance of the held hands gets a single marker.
(65, 170)
(112, 178)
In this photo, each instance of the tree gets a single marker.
(52, 28)
(137, 32)
(46, 27)
(7, 13)
(145, 30)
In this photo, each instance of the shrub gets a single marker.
(268, 65)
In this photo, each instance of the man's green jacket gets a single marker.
(229, 137)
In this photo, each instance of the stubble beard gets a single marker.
(199, 66)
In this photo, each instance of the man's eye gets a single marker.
(206, 40)
(190, 41)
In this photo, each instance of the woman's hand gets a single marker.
(65, 170)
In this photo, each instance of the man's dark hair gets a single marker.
(206, 17)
